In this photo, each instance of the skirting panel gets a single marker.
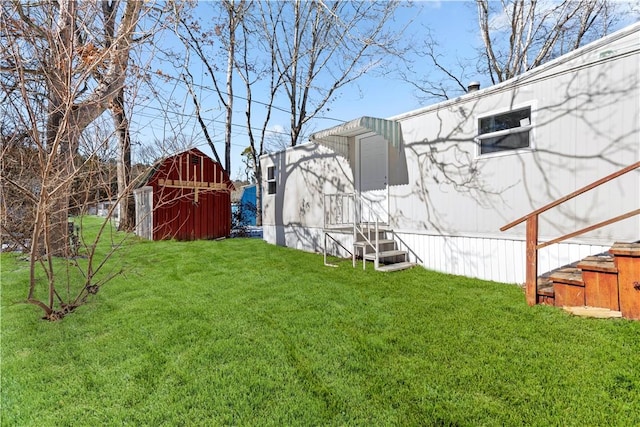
(499, 260)
(307, 239)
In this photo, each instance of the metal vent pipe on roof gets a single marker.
(473, 87)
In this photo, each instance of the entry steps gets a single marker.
(385, 256)
(608, 282)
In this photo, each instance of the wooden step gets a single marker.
(544, 291)
(544, 282)
(627, 259)
(546, 296)
(600, 277)
(598, 263)
(596, 312)
(568, 276)
(601, 286)
(626, 249)
(384, 254)
(396, 267)
(568, 287)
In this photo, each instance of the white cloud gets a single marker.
(433, 4)
(275, 130)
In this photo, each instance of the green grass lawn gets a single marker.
(239, 332)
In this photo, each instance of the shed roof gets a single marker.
(150, 172)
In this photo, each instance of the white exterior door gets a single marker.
(373, 178)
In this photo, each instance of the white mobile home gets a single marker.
(443, 179)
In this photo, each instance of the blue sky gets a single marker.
(452, 23)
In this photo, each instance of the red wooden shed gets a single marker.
(185, 197)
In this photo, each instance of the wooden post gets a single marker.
(532, 260)
(627, 260)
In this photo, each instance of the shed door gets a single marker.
(372, 178)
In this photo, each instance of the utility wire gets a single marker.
(154, 108)
(215, 92)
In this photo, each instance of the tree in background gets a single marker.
(212, 40)
(61, 79)
(19, 181)
(519, 35)
(318, 47)
(516, 36)
(298, 54)
(313, 50)
(125, 195)
(62, 65)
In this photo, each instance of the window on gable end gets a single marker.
(271, 180)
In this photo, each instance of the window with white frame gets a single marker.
(271, 180)
(505, 131)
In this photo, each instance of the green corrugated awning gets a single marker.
(336, 137)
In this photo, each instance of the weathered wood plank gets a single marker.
(221, 186)
(601, 289)
(603, 264)
(568, 295)
(532, 260)
(627, 260)
(600, 277)
(596, 312)
(568, 276)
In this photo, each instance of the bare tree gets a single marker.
(126, 205)
(311, 50)
(516, 36)
(321, 46)
(58, 74)
(20, 175)
(441, 80)
(52, 45)
(203, 37)
(519, 35)
(252, 71)
(299, 53)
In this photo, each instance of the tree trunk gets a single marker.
(125, 196)
(60, 147)
(258, 195)
(230, 59)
